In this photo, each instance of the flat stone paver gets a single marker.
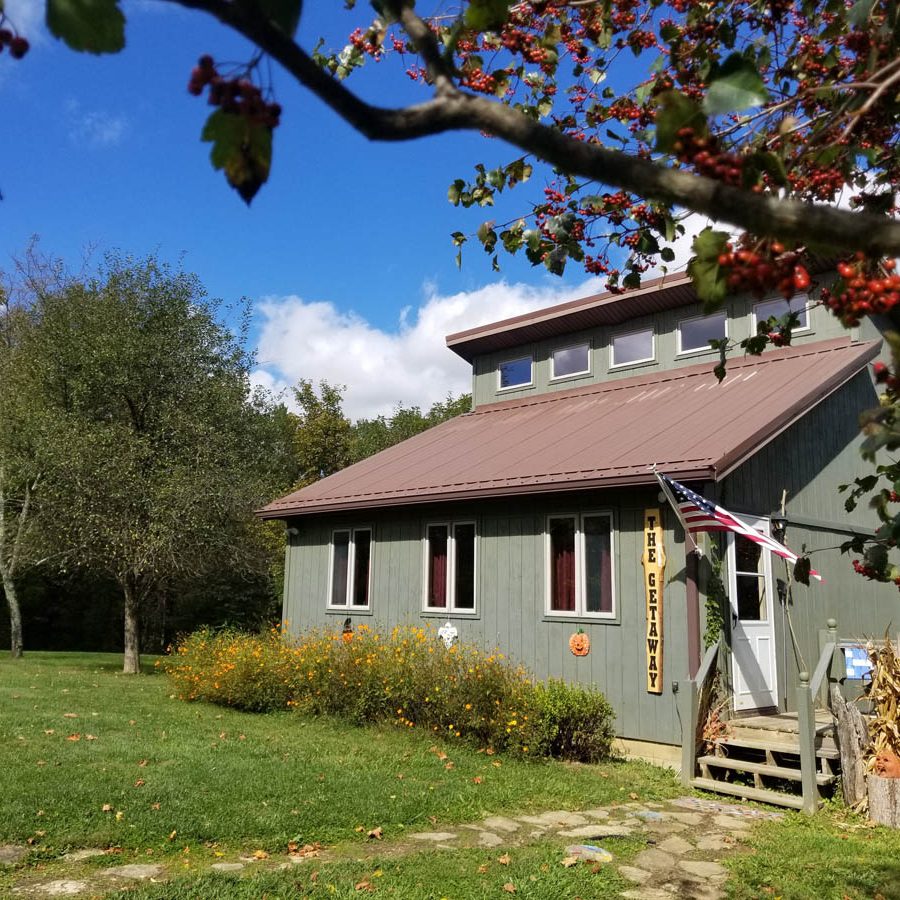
(62, 888)
(10, 854)
(650, 815)
(654, 860)
(434, 836)
(489, 839)
(687, 818)
(227, 867)
(731, 823)
(702, 868)
(676, 845)
(533, 820)
(87, 853)
(716, 842)
(648, 893)
(501, 823)
(597, 831)
(134, 870)
(633, 873)
(563, 819)
(597, 813)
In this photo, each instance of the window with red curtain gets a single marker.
(597, 565)
(562, 564)
(438, 542)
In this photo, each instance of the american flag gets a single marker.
(698, 514)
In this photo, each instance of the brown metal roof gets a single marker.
(667, 292)
(596, 436)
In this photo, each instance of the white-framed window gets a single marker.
(514, 373)
(631, 347)
(566, 362)
(449, 550)
(779, 307)
(580, 565)
(694, 334)
(350, 573)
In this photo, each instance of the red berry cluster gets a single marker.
(705, 155)
(238, 95)
(763, 267)
(479, 80)
(18, 46)
(864, 290)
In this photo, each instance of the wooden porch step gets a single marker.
(754, 743)
(775, 798)
(741, 765)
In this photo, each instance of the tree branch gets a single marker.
(822, 226)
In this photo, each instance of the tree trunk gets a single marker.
(884, 800)
(852, 740)
(132, 665)
(15, 617)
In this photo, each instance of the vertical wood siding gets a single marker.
(740, 326)
(510, 611)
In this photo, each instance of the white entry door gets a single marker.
(752, 621)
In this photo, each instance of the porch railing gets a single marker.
(809, 689)
(695, 693)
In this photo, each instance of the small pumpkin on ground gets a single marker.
(580, 643)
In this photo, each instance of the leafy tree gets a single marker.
(154, 451)
(323, 433)
(759, 115)
(373, 435)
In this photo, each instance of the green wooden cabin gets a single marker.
(524, 521)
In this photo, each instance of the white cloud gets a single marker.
(27, 17)
(94, 128)
(409, 364)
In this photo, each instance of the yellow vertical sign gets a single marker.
(653, 560)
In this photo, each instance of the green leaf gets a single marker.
(94, 26)
(454, 192)
(243, 149)
(677, 112)
(667, 254)
(284, 13)
(709, 280)
(487, 15)
(734, 85)
(860, 12)
(802, 569)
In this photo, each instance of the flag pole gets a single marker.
(665, 489)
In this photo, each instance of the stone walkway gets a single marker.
(686, 840)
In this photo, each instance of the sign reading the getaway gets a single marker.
(654, 562)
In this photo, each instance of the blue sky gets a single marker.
(345, 252)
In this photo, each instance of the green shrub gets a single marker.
(576, 722)
(406, 677)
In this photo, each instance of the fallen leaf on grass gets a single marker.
(433, 820)
(449, 766)
(365, 885)
(107, 807)
(140, 782)
(504, 860)
(496, 763)
(307, 851)
(569, 861)
(376, 833)
(90, 737)
(260, 854)
(142, 763)
(154, 806)
(314, 876)
(74, 737)
(49, 731)
(172, 835)
(482, 870)
(509, 887)
(70, 715)
(477, 779)
(120, 815)
(633, 795)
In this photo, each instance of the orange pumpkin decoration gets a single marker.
(580, 643)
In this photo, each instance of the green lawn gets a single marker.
(242, 780)
(186, 784)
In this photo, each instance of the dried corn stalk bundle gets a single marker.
(884, 691)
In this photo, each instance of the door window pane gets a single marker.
(562, 565)
(750, 579)
(515, 372)
(464, 567)
(637, 346)
(362, 550)
(437, 566)
(695, 334)
(598, 581)
(571, 361)
(339, 567)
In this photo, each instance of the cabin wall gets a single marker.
(809, 461)
(511, 595)
(740, 324)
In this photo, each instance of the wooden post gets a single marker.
(806, 726)
(689, 699)
(884, 800)
(852, 740)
